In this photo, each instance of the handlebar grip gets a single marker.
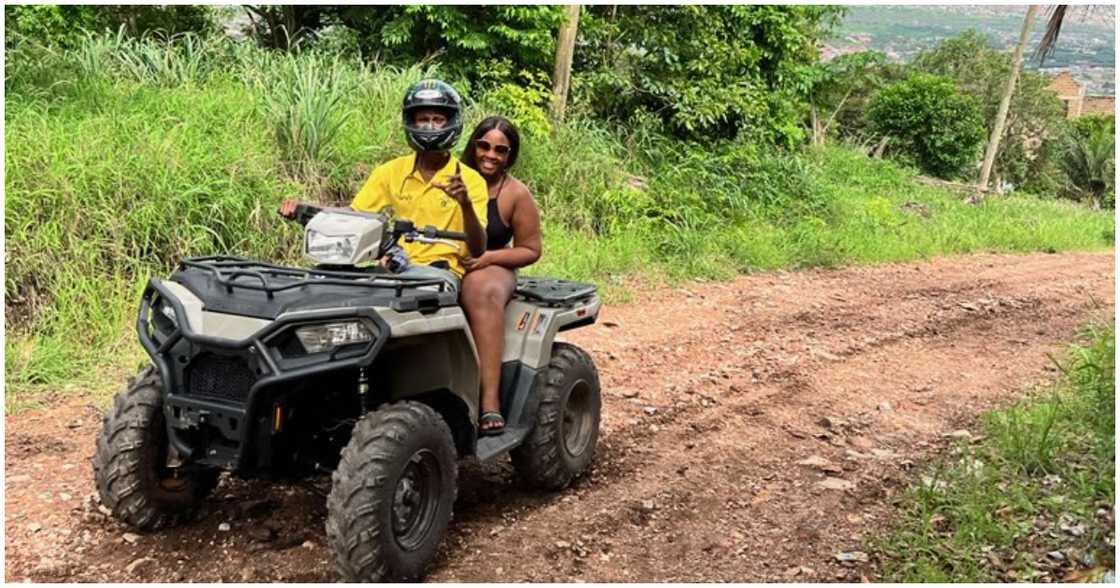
(455, 235)
(305, 212)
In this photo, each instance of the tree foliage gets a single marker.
(931, 123)
(1032, 133)
(843, 88)
(64, 25)
(705, 71)
(467, 40)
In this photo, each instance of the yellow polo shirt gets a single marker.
(399, 184)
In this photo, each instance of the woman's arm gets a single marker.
(526, 223)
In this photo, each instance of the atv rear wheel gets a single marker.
(562, 443)
(392, 494)
(130, 463)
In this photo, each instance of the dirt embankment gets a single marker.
(751, 431)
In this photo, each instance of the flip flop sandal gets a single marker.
(496, 422)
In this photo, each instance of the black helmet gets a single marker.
(438, 95)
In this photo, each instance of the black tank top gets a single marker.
(498, 234)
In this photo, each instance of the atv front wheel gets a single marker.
(562, 443)
(130, 464)
(392, 493)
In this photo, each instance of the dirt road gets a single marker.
(713, 394)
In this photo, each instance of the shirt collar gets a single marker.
(446, 171)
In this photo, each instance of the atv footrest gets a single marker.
(490, 447)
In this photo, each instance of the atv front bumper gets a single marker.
(219, 393)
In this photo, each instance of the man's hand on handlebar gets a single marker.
(300, 213)
(288, 208)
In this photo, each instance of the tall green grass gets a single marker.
(126, 155)
(1044, 466)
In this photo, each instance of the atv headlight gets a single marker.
(162, 317)
(338, 249)
(167, 311)
(327, 336)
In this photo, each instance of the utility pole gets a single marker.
(565, 46)
(1004, 104)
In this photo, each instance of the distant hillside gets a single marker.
(1086, 47)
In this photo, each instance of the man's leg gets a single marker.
(435, 273)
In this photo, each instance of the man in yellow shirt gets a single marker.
(430, 187)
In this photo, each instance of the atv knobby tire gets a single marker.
(130, 464)
(562, 443)
(392, 494)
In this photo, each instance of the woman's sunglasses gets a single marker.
(486, 146)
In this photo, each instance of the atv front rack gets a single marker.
(227, 269)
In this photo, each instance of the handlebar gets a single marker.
(303, 213)
(407, 228)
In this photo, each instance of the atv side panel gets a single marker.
(531, 328)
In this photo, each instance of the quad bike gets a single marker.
(277, 372)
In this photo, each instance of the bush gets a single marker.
(525, 103)
(709, 72)
(1089, 161)
(1032, 133)
(931, 123)
(66, 26)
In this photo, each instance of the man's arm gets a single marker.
(472, 201)
(476, 235)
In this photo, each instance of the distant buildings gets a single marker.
(1072, 94)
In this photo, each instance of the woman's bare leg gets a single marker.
(485, 293)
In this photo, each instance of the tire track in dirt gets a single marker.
(712, 393)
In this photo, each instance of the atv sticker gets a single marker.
(539, 327)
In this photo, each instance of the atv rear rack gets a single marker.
(227, 269)
(552, 292)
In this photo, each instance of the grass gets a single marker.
(1033, 485)
(126, 155)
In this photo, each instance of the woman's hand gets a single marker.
(477, 263)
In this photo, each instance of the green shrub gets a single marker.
(525, 103)
(930, 122)
(706, 71)
(1089, 160)
(66, 26)
(979, 68)
(306, 105)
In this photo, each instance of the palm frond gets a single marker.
(1053, 28)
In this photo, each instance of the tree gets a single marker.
(930, 123)
(1004, 104)
(842, 90)
(470, 41)
(565, 44)
(285, 27)
(1035, 122)
(705, 72)
(64, 25)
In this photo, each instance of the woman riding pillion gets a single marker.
(490, 280)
